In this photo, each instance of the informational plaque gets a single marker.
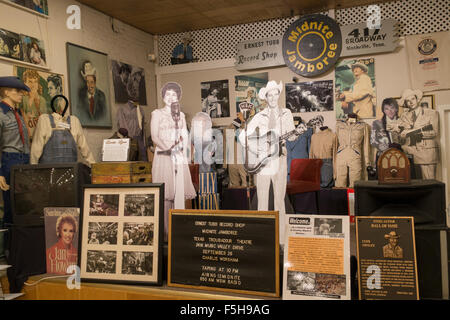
(260, 53)
(387, 264)
(317, 258)
(115, 149)
(358, 39)
(230, 251)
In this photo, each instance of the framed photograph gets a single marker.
(89, 86)
(10, 45)
(247, 88)
(129, 83)
(35, 6)
(33, 51)
(44, 86)
(121, 233)
(355, 89)
(314, 96)
(426, 102)
(216, 98)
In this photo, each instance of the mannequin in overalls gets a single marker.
(58, 138)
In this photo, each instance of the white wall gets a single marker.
(130, 46)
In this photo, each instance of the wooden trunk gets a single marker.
(121, 172)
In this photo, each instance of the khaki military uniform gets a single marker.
(353, 142)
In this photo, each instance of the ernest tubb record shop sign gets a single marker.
(312, 45)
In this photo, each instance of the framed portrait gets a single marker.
(33, 51)
(355, 88)
(44, 86)
(314, 96)
(10, 45)
(215, 98)
(89, 86)
(129, 83)
(121, 233)
(35, 6)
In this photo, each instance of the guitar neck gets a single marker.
(290, 134)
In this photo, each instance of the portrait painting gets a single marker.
(33, 51)
(10, 45)
(355, 89)
(89, 86)
(129, 83)
(44, 87)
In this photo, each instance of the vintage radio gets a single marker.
(393, 167)
(121, 172)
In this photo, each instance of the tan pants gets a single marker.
(238, 176)
(348, 162)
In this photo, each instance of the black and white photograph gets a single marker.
(139, 205)
(301, 281)
(138, 234)
(127, 220)
(33, 50)
(314, 96)
(325, 226)
(10, 45)
(102, 233)
(104, 205)
(101, 261)
(129, 83)
(137, 263)
(216, 98)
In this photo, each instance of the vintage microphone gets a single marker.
(246, 109)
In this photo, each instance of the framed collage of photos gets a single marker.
(121, 233)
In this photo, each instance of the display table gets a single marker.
(56, 289)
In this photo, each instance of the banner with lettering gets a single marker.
(261, 53)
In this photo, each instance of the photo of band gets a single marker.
(101, 261)
(104, 205)
(138, 234)
(102, 233)
(140, 205)
(314, 96)
(137, 263)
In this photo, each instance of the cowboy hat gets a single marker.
(360, 65)
(270, 86)
(409, 92)
(391, 235)
(13, 82)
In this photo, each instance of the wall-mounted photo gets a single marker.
(40, 6)
(247, 88)
(314, 96)
(89, 86)
(44, 86)
(33, 50)
(129, 83)
(215, 98)
(355, 88)
(10, 45)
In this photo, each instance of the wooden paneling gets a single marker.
(172, 16)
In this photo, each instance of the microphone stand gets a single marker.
(246, 162)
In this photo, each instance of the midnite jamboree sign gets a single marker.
(312, 45)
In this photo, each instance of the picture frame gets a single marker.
(37, 7)
(224, 250)
(428, 99)
(88, 73)
(122, 233)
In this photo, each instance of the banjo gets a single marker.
(272, 144)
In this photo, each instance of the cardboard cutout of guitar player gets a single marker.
(419, 131)
(262, 134)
